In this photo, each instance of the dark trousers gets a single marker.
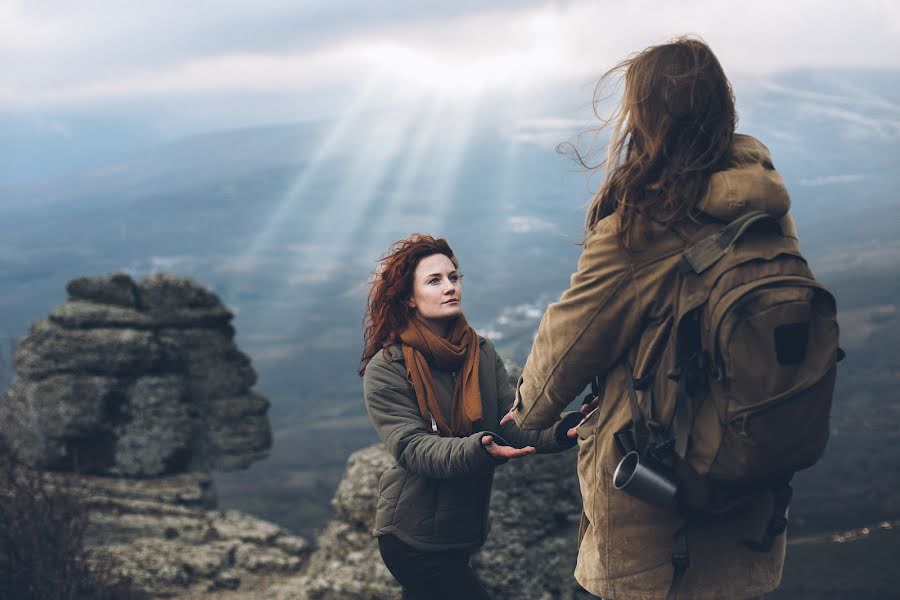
(440, 575)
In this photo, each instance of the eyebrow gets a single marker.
(439, 274)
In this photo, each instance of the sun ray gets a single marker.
(362, 186)
(330, 146)
(453, 152)
(387, 223)
(329, 236)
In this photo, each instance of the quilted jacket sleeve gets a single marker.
(392, 407)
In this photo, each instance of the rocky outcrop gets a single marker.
(126, 397)
(164, 535)
(530, 553)
(136, 380)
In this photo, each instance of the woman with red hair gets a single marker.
(435, 391)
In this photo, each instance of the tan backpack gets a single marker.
(735, 397)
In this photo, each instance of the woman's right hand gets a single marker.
(498, 451)
(587, 409)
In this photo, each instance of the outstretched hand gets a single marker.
(498, 451)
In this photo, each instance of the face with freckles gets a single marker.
(437, 292)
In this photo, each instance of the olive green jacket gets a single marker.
(437, 495)
(615, 305)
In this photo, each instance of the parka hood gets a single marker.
(749, 183)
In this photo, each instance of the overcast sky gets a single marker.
(101, 77)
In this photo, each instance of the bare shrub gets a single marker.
(43, 554)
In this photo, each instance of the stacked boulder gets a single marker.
(136, 380)
(128, 395)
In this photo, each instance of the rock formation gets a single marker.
(166, 539)
(135, 380)
(530, 553)
(127, 396)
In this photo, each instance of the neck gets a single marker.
(439, 327)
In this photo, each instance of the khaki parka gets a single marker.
(437, 495)
(614, 307)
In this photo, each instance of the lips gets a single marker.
(454, 301)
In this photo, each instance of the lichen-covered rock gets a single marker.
(135, 380)
(117, 289)
(346, 565)
(356, 495)
(530, 553)
(161, 292)
(69, 405)
(129, 394)
(163, 536)
(156, 430)
(50, 349)
(78, 314)
(216, 368)
(184, 491)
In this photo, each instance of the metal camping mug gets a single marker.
(645, 482)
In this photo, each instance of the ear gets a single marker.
(411, 302)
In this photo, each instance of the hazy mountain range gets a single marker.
(285, 223)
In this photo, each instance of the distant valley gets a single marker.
(285, 223)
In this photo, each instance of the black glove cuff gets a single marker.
(562, 429)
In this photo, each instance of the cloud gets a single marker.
(101, 52)
(832, 179)
(857, 97)
(181, 264)
(857, 125)
(547, 132)
(515, 318)
(525, 224)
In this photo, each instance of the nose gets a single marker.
(449, 286)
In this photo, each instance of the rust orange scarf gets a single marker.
(459, 353)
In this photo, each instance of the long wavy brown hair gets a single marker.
(387, 310)
(673, 129)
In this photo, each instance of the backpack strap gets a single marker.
(639, 430)
(648, 432)
(710, 249)
(681, 558)
(689, 372)
(781, 499)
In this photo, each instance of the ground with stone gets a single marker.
(131, 393)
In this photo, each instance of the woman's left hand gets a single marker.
(498, 451)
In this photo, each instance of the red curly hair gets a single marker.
(387, 311)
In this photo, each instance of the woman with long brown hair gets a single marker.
(435, 391)
(675, 168)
